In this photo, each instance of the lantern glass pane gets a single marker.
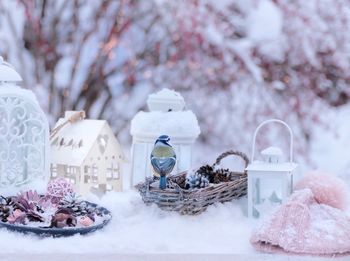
(267, 193)
(23, 140)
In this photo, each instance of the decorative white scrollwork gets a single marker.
(23, 140)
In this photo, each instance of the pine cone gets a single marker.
(208, 172)
(78, 207)
(4, 213)
(222, 175)
(196, 180)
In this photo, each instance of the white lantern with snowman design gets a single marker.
(270, 181)
(24, 132)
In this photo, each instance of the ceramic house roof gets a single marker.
(73, 142)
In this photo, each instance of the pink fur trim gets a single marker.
(327, 189)
(302, 226)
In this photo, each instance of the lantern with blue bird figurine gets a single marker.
(166, 115)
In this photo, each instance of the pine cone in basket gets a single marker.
(222, 175)
(207, 171)
(196, 180)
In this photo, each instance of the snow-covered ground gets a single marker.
(137, 231)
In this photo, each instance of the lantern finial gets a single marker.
(166, 100)
(8, 73)
(272, 154)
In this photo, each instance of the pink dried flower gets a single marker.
(31, 200)
(86, 221)
(30, 195)
(17, 216)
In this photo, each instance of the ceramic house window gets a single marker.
(94, 174)
(113, 172)
(87, 174)
(54, 170)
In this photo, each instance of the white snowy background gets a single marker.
(236, 63)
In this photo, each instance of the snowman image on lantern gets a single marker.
(270, 181)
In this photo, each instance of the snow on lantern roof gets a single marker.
(165, 100)
(8, 78)
(261, 166)
(8, 73)
(78, 138)
(175, 124)
(272, 151)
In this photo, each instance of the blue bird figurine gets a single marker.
(163, 159)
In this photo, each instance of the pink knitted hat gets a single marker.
(303, 225)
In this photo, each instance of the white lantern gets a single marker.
(270, 181)
(24, 132)
(166, 116)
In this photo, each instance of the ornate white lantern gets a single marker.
(270, 181)
(166, 116)
(24, 132)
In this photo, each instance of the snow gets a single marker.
(213, 35)
(7, 72)
(165, 100)
(16, 91)
(265, 22)
(166, 94)
(272, 151)
(331, 147)
(75, 133)
(174, 124)
(136, 228)
(260, 166)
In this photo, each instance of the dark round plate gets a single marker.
(59, 232)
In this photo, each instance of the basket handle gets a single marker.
(235, 153)
(276, 121)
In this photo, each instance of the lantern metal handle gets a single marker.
(276, 121)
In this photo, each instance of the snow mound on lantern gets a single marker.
(327, 189)
(180, 123)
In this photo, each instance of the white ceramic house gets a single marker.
(87, 154)
(24, 132)
(166, 116)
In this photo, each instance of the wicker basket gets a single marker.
(230, 185)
